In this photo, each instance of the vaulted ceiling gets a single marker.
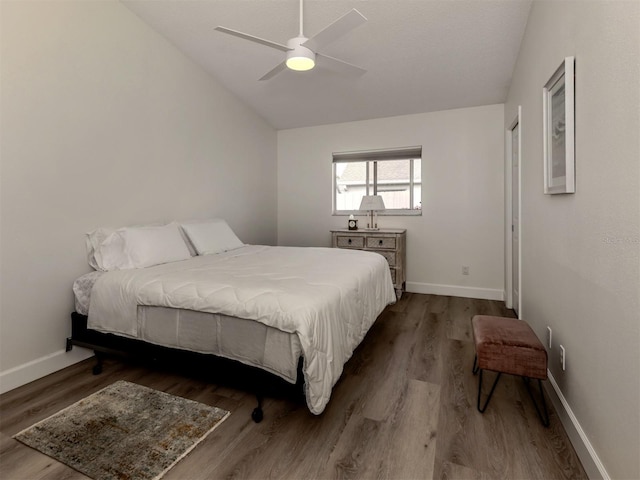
(420, 55)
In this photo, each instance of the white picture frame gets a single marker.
(558, 111)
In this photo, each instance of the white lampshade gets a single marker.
(372, 202)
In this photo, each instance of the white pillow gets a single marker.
(94, 240)
(148, 246)
(212, 236)
(111, 254)
(135, 247)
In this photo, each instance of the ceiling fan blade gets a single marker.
(274, 71)
(268, 43)
(343, 25)
(340, 65)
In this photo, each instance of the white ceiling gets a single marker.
(420, 55)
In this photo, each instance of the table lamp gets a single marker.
(372, 204)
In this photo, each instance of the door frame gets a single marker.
(509, 212)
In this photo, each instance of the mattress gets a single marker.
(328, 298)
(82, 291)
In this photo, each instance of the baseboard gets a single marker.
(455, 291)
(41, 367)
(587, 454)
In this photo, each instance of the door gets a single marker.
(515, 216)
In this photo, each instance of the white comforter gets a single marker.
(328, 297)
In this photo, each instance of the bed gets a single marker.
(288, 311)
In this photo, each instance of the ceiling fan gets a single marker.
(301, 52)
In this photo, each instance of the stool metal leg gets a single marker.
(482, 409)
(475, 365)
(544, 419)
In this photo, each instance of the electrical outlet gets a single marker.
(563, 357)
(549, 335)
(465, 270)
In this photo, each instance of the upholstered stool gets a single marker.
(509, 345)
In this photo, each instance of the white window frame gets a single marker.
(371, 157)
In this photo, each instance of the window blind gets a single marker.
(401, 153)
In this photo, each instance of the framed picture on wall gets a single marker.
(558, 100)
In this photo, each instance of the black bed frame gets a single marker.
(227, 372)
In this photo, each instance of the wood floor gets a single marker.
(403, 409)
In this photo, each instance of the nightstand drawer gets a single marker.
(388, 243)
(390, 256)
(350, 242)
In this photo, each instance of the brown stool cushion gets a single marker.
(508, 345)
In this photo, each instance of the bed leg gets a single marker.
(97, 368)
(69, 344)
(257, 415)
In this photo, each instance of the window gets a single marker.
(394, 174)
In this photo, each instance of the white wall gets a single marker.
(580, 265)
(104, 122)
(462, 216)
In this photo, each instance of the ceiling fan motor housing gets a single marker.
(300, 58)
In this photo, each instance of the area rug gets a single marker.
(124, 431)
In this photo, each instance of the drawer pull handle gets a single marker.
(349, 241)
(379, 242)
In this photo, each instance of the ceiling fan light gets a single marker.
(300, 58)
(300, 64)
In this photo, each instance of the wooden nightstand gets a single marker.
(388, 242)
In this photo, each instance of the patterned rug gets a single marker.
(124, 431)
